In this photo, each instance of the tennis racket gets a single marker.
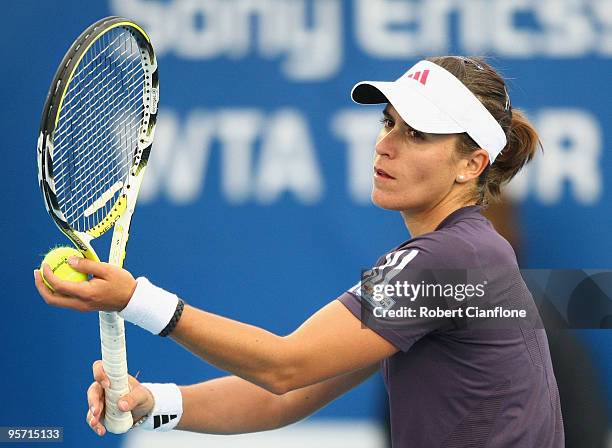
(95, 139)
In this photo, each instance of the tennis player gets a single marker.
(449, 140)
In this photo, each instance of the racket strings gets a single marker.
(99, 81)
(103, 150)
(94, 108)
(90, 60)
(98, 129)
(82, 140)
(91, 106)
(105, 180)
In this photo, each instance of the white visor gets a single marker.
(431, 99)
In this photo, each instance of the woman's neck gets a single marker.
(424, 221)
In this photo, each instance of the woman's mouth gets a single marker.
(382, 174)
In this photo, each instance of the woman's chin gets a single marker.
(388, 201)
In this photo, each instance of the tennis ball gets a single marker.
(57, 259)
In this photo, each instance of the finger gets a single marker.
(57, 299)
(127, 403)
(92, 421)
(133, 399)
(74, 289)
(95, 268)
(100, 429)
(100, 375)
(39, 283)
(133, 383)
(95, 399)
(96, 426)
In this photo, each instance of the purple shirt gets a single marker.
(451, 386)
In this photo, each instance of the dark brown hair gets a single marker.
(490, 88)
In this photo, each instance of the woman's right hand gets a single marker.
(139, 400)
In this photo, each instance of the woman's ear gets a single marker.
(473, 166)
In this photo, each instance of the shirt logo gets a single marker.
(383, 274)
(420, 76)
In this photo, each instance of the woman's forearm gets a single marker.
(330, 343)
(229, 405)
(232, 405)
(244, 350)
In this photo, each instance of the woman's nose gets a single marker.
(384, 144)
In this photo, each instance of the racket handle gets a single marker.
(114, 360)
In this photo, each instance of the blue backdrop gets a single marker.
(263, 211)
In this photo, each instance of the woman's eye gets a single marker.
(386, 122)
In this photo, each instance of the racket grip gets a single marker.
(114, 360)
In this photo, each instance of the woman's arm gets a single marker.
(228, 405)
(332, 342)
(231, 405)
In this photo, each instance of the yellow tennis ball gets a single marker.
(57, 259)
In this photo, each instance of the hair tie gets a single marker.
(508, 105)
(467, 60)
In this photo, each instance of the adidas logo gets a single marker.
(420, 76)
(159, 420)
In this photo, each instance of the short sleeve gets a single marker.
(407, 317)
(401, 339)
(404, 296)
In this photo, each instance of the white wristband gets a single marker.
(168, 407)
(150, 307)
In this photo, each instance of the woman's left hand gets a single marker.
(110, 289)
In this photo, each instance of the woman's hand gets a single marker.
(139, 400)
(110, 289)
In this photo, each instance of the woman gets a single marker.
(450, 139)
